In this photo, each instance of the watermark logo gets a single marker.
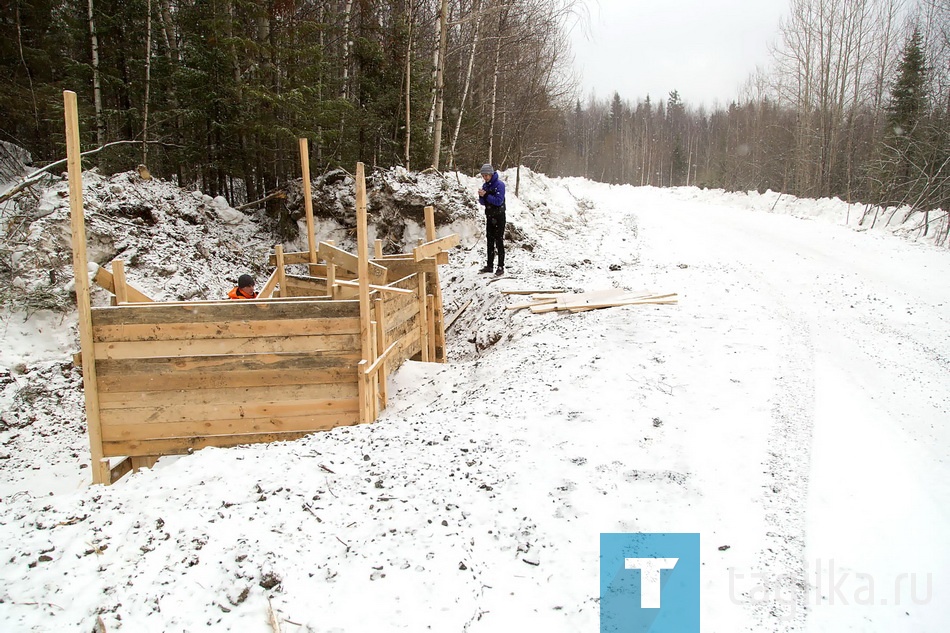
(827, 584)
(649, 583)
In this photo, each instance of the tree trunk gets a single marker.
(494, 89)
(440, 86)
(347, 45)
(408, 91)
(96, 82)
(468, 83)
(148, 82)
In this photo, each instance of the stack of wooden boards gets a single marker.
(542, 301)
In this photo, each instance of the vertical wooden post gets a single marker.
(430, 321)
(378, 248)
(381, 345)
(423, 318)
(331, 274)
(119, 284)
(430, 224)
(281, 273)
(308, 198)
(363, 272)
(100, 465)
(374, 379)
(438, 311)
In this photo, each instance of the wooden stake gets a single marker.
(381, 346)
(100, 466)
(378, 249)
(331, 273)
(423, 320)
(374, 379)
(281, 273)
(363, 275)
(118, 280)
(308, 198)
(430, 224)
(430, 319)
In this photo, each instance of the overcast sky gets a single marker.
(705, 49)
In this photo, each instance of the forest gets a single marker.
(215, 93)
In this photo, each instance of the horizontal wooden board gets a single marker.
(240, 426)
(350, 262)
(224, 329)
(430, 249)
(209, 347)
(400, 268)
(301, 257)
(396, 319)
(228, 395)
(216, 372)
(224, 311)
(409, 346)
(182, 445)
(174, 412)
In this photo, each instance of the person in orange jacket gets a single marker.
(244, 288)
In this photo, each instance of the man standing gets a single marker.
(492, 197)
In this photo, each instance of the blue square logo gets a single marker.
(649, 583)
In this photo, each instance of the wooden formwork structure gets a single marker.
(311, 353)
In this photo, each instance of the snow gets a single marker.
(792, 407)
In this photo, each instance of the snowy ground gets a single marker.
(792, 407)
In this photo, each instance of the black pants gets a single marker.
(495, 232)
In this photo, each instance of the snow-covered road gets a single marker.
(859, 444)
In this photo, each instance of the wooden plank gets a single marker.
(307, 198)
(378, 248)
(438, 315)
(348, 261)
(430, 322)
(430, 223)
(457, 314)
(372, 377)
(401, 322)
(219, 372)
(118, 277)
(533, 292)
(100, 469)
(281, 271)
(184, 445)
(363, 273)
(381, 345)
(210, 347)
(331, 275)
(122, 468)
(407, 346)
(603, 299)
(390, 289)
(227, 310)
(237, 426)
(429, 249)
(268, 290)
(423, 321)
(224, 329)
(296, 257)
(143, 461)
(228, 395)
(539, 302)
(174, 412)
(105, 280)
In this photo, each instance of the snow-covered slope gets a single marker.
(791, 409)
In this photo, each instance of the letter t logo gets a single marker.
(650, 578)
